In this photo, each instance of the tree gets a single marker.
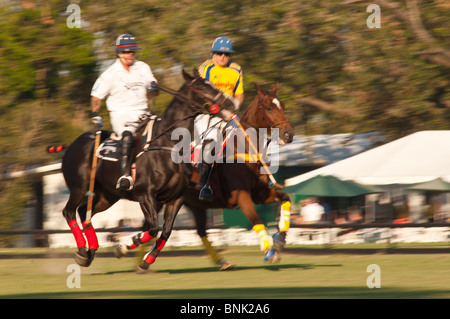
(43, 68)
(336, 74)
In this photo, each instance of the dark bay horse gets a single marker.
(245, 184)
(158, 179)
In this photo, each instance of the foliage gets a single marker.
(336, 74)
(44, 66)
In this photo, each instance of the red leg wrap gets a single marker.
(139, 239)
(76, 231)
(91, 236)
(151, 256)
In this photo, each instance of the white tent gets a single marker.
(324, 149)
(416, 158)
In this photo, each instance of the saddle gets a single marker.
(108, 150)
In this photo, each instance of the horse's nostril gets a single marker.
(288, 136)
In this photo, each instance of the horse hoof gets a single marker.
(142, 269)
(272, 256)
(279, 240)
(120, 251)
(226, 266)
(83, 261)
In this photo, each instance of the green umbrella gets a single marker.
(436, 185)
(328, 186)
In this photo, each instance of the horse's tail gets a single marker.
(56, 149)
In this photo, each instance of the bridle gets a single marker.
(260, 107)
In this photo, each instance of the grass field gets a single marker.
(304, 272)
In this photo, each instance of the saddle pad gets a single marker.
(108, 150)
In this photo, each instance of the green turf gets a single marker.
(188, 273)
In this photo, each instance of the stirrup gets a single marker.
(125, 183)
(206, 193)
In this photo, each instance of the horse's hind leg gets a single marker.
(99, 204)
(200, 221)
(69, 213)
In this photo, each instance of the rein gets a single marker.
(188, 98)
(214, 108)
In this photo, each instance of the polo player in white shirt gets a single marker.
(125, 84)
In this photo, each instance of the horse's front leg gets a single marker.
(150, 207)
(170, 212)
(245, 202)
(279, 238)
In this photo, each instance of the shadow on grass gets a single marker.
(270, 267)
(329, 292)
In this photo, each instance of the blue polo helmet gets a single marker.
(126, 43)
(222, 45)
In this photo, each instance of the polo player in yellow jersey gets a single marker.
(227, 77)
(224, 74)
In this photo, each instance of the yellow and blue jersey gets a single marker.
(227, 79)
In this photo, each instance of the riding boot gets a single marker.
(125, 182)
(206, 192)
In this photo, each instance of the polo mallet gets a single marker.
(98, 134)
(266, 168)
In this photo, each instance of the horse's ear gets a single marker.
(260, 91)
(196, 74)
(275, 88)
(186, 76)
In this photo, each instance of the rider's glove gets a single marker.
(97, 120)
(153, 86)
(154, 89)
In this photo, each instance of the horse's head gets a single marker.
(208, 98)
(267, 111)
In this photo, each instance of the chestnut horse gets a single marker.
(246, 184)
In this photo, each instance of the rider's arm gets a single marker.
(95, 104)
(240, 98)
(95, 110)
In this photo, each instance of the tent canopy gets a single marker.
(416, 158)
(436, 185)
(328, 186)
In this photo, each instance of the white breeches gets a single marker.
(124, 120)
(210, 132)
